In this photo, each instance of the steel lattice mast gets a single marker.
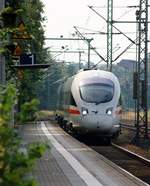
(109, 33)
(142, 70)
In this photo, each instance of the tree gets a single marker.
(30, 13)
(33, 19)
(15, 164)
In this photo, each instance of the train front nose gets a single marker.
(97, 123)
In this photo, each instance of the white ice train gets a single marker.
(88, 102)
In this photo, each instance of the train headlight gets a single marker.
(84, 111)
(109, 111)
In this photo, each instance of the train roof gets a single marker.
(93, 72)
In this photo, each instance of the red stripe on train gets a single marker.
(72, 111)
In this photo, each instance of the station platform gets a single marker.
(70, 162)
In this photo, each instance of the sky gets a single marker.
(63, 15)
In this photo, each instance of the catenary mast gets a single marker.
(142, 72)
(109, 33)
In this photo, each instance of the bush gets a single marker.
(28, 110)
(15, 164)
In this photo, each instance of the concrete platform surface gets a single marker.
(70, 162)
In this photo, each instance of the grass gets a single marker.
(44, 114)
(130, 116)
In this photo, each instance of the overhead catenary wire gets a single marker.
(126, 12)
(95, 31)
(80, 35)
(131, 6)
(94, 66)
(128, 47)
(59, 80)
(112, 25)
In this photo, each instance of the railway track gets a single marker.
(131, 127)
(131, 162)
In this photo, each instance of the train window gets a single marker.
(72, 101)
(120, 101)
(65, 98)
(60, 97)
(97, 93)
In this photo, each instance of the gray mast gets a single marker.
(109, 34)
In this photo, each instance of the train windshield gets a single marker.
(97, 93)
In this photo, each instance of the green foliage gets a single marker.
(30, 12)
(7, 98)
(36, 150)
(15, 162)
(28, 110)
(44, 115)
(10, 10)
(33, 19)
